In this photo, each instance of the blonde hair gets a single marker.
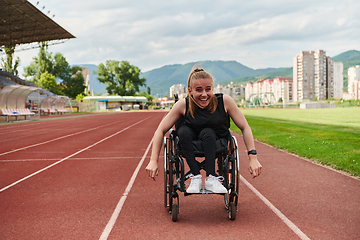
(199, 73)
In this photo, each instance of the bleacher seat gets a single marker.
(15, 112)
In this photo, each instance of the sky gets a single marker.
(152, 34)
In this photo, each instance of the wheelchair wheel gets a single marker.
(169, 177)
(232, 211)
(231, 176)
(174, 212)
(171, 197)
(166, 174)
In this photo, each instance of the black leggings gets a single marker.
(208, 137)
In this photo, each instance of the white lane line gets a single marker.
(41, 170)
(121, 202)
(57, 159)
(55, 139)
(290, 224)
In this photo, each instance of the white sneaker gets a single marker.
(212, 184)
(195, 185)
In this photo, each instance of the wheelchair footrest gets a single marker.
(203, 191)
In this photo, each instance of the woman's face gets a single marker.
(202, 90)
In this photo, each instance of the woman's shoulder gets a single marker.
(180, 106)
(228, 102)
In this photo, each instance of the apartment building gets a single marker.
(282, 88)
(86, 74)
(354, 82)
(316, 76)
(236, 92)
(334, 79)
(338, 68)
(309, 74)
(270, 90)
(180, 89)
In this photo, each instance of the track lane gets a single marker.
(318, 201)
(59, 130)
(77, 197)
(200, 215)
(57, 149)
(299, 189)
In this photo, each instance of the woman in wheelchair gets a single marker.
(205, 116)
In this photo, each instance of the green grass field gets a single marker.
(328, 136)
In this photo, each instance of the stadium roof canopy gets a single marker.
(22, 23)
(136, 99)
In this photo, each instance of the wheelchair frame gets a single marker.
(175, 177)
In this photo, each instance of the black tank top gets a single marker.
(219, 121)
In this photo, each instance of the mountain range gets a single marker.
(161, 79)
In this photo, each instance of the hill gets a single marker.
(282, 73)
(161, 79)
(348, 56)
(349, 59)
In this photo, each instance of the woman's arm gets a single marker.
(239, 119)
(175, 113)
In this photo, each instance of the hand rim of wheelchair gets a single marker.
(174, 173)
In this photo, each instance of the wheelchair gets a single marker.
(175, 175)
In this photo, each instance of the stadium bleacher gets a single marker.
(13, 106)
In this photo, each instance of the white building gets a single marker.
(354, 82)
(312, 74)
(270, 91)
(236, 92)
(86, 75)
(338, 68)
(180, 89)
(282, 88)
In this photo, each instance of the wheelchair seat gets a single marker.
(221, 146)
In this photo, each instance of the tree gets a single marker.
(61, 68)
(57, 66)
(41, 64)
(74, 85)
(7, 62)
(123, 79)
(145, 94)
(80, 97)
(48, 81)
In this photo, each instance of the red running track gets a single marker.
(70, 178)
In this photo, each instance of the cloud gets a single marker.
(150, 34)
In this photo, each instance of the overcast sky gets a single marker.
(151, 34)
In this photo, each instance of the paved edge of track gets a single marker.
(313, 162)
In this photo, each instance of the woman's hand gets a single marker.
(153, 169)
(254, 166)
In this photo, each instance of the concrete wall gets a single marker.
(317, 105)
